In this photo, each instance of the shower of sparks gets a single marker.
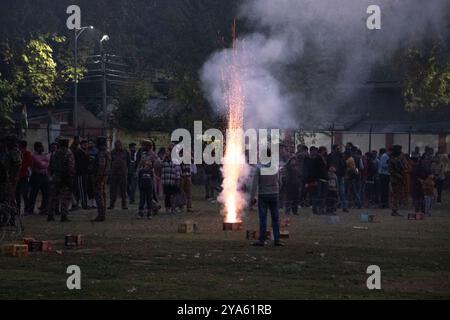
(234, 165)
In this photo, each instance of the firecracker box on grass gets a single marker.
(15, 250)
(232, 226)
(73, 240)
(187, 227)
(416, 216)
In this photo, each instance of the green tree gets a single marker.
(38, 74)
(426, 81)
(131, 103)
(8, 96)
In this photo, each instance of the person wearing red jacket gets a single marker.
(23, 179)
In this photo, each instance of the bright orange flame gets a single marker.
(233, 169)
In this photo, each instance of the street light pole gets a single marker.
(78, 32)
(104, 96)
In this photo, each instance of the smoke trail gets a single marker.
(303, 51)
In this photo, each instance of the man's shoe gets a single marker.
(98, 219)
(74, 208)
(189, 210)
(124, 208)
(50, 218)
(65, 219)
(345, 210)
(396, 214)
(278, 244)
(258, 244)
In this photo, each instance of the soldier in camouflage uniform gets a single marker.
(62, 171)
(12, 162)
(102, 165)
(119, 174)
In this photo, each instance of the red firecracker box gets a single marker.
(187, 227)
(416, 216)
(27, 240)
(8, 250)
(20, 250)
(46, 245)
(34, 246)
(73, 240)
(232, 226)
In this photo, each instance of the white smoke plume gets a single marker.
(301, 50)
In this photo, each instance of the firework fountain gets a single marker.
(234, 166)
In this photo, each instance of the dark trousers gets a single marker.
(82, 185)
(100, 195)
(90, 189)
(169, 192)
(132, 185)
(145, 199)
(331, 202)
(292, 198)
(61, 195)
(22, 192)
(384, 190)
(370, 194)
(319, 197)
(342, 192)
(439, 187)
(209, 186)
(39, 182)
(354, 190)
(118, 183)
(268, 202)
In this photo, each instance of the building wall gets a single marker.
(430, 140)
(378, 140)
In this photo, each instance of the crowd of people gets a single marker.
(76, 177)
(348, 179)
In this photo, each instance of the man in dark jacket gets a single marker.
(81, 168)
(336, 159)
(396, 169)
(132, 172)
(319, 174)
(102, 166)
(62, 171)
(119, 173)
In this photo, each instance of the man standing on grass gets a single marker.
(396, 169)
(186, 184)
(268, 190)
(132, 172)
(170, 178)
(102, 166)
(81, 167)
(383, 173)
(336, 159)
(119, 172)
(62, 169)
(23, 183)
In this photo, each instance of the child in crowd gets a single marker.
(429, 193)
(332, 195)
(145, 181)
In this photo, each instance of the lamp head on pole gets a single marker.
(104, 38)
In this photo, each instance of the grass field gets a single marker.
(126, 258)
